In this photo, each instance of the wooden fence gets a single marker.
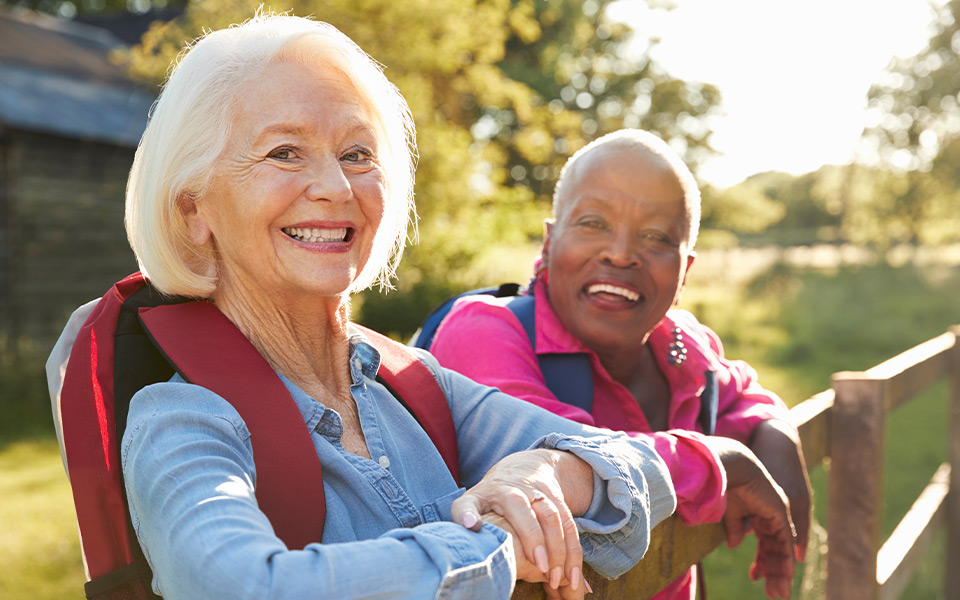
(846, 424)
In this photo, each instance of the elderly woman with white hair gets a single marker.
(275, 179)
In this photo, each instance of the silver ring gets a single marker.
(537, 497)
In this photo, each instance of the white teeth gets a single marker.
(612, 289)
(316, 234)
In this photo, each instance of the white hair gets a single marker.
(190, 124)
(638, 138)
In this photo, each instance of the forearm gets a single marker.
(193, 506)
(575, 478)
(632, 493)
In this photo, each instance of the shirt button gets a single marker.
(384, 461)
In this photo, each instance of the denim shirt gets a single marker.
(191, 481)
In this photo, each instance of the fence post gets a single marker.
(951, 573)
(855, 505)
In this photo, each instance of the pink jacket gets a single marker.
(482, 339)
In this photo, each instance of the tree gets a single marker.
(486, 83)
(917, 116)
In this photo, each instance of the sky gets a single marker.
(793, 75)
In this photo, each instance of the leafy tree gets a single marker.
(743, 208)
(488, 83)
(917, 122)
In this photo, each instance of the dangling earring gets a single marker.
(677, 352)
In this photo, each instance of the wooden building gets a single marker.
(70, 121)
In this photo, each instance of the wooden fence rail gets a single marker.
(846, 424)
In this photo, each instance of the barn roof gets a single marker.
(56, 78)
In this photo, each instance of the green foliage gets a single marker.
(917, 121)
(744, 208)
(502, 92)
(852, 203)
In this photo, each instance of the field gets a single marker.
(796, 319)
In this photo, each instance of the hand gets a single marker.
(526, 571)
(535, 493)
(755, 501)
(777, 446)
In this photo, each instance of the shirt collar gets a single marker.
(364, 358)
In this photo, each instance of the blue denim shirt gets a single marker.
(191, 480)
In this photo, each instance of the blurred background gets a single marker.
(825, 135)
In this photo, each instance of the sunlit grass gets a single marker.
(39, 547)
(797, 327)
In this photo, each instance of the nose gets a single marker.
(328, 182)
(621, 251)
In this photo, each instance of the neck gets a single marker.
(625, 366)
(303, 339)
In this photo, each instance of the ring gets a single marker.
(537, 497)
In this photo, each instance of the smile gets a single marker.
(606, 288)
(314, 235)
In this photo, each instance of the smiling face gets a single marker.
(297, 195)
(618, 254)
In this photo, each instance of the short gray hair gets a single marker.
(643, 139)
(190, 124)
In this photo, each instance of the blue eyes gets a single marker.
(357, 155)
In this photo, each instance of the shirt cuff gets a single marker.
(632, 493)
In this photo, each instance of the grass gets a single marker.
(39, 547)
(796, 326)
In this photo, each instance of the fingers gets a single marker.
(559, 556)
(776, 561)
(466, 510)
(735, 526)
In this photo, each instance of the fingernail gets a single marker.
(586, 585)
(575, 578)
(540, 556)
(470, 520)
(555, 576)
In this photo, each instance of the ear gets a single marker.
(198, 230)
(548, 227)
(691, 256)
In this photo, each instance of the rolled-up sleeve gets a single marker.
(632, 493)
(632, 487)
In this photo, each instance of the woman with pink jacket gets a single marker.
(613, 266)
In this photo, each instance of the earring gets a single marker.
(677, 352)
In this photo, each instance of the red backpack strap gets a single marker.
(208, 350)
(416, 387)
(90, 437)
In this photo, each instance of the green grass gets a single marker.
(39, 547)
(795, 326)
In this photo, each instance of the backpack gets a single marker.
(135, 337)
(568, 376)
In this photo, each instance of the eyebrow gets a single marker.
(350, 126)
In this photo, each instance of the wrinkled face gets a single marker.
(617, 255)
(297, 195)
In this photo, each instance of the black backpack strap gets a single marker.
(568, 375)
(131, 582)
(709, 403)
